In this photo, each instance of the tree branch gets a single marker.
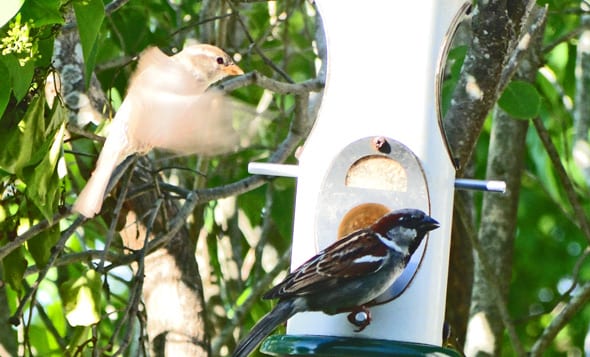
(489, 64)
(579, 213)
(580, 299)
(55, 252)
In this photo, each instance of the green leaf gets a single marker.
(56, 314)
(44, 337)
(40, 245)
(4, 89)
(32, 149)
(9, 8)
(42, 12)
(521, 100)
(19, 77)
(89, 15)
(14, 266)
(21, 140)
(81, 297)
(77, 337)
(43, 179)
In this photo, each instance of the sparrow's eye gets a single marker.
(220, 60)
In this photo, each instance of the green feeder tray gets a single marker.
(308, 345)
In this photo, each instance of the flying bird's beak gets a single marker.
(232, 70)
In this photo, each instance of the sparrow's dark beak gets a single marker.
(232, 70)
(429, 224)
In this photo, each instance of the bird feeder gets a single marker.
(377, 145)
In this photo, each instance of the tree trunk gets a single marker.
(496, 235)
(493, 263)
(172, 289)
(172, 295)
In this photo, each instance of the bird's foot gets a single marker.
(360, 317)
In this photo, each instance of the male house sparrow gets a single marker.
(166, 107)
(346, 275)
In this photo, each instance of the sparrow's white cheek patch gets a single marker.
(408, 233)
(391, 244)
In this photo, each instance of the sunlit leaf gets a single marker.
(81, 298)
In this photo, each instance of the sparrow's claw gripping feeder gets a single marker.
(387, 151)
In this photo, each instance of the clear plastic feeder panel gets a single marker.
(369, 178)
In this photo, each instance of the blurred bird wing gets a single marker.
(185, 124)
(253, 126)
(173, 111)
(157, 71)
(341, 261)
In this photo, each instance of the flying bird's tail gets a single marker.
(264, 327)
(115, 149)
(90, 200)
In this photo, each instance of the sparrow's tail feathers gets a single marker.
(264, 327)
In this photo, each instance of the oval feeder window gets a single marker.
(366, 180)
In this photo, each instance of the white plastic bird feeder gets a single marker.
(377, 146)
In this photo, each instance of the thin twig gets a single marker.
(55, 252)
(73, 129)
(576, 272)
(108, 10)
(135, 298)
(32, 232)
(575, 33)
(114, 6)
(240, 311)
(563, 317)
(255, 78)
(85, 256)
(253, 44)
(193, 24)
(134, 302)
(568, 186)
(50, 326)
(522, 46)
(116, 213)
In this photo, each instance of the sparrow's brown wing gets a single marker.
(361, 253)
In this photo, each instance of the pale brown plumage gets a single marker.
(167, 106)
